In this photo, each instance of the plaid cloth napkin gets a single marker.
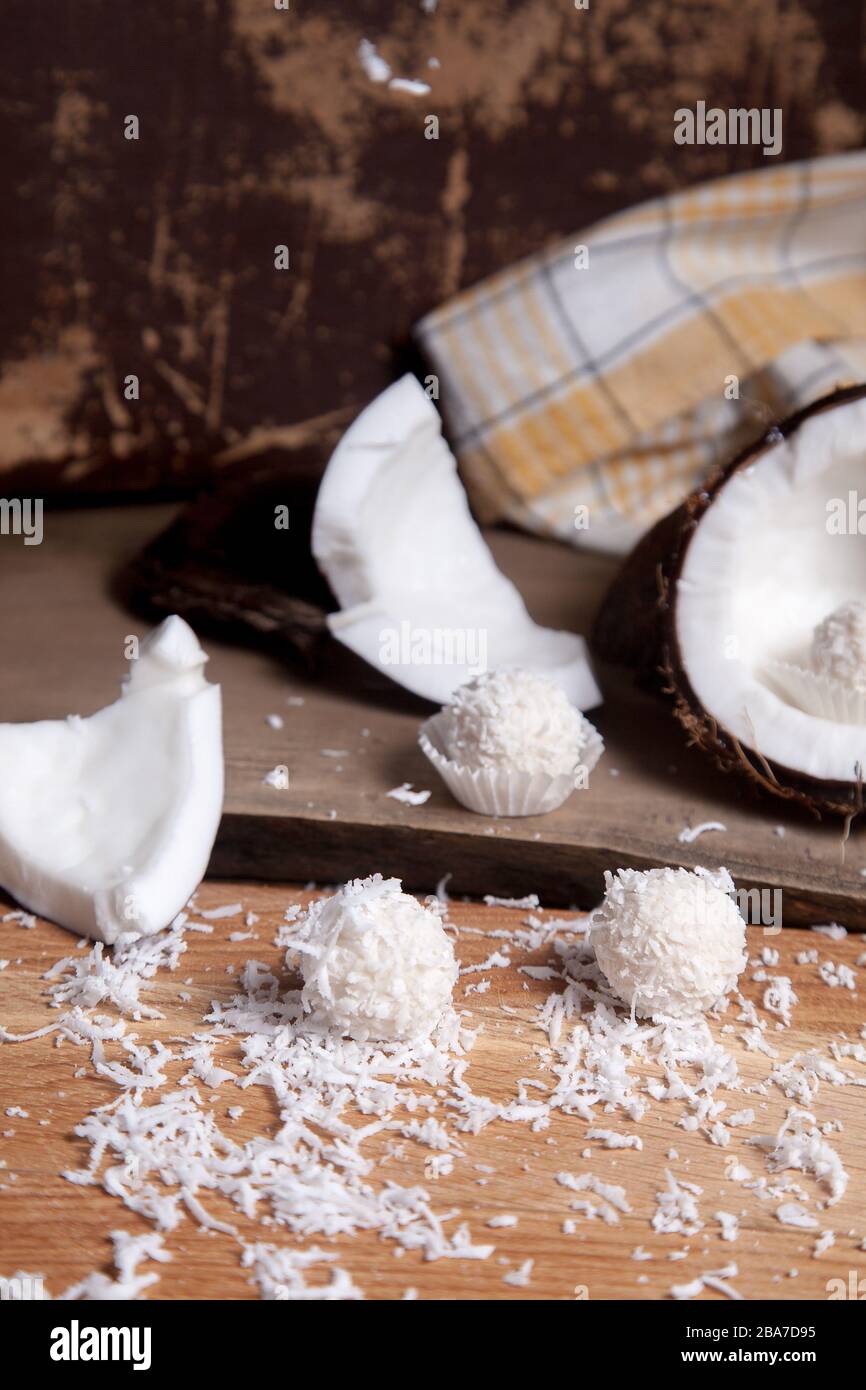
(589, 390)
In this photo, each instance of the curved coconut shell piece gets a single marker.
(637, 627)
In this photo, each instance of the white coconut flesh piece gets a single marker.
(420, 594)
(107, 823)
(761, 571)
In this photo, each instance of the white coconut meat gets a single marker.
(421, 596)
(107, 823)
(765, 567)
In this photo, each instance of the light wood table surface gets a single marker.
(49, 1225)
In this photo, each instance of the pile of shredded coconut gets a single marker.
(515, 720)
(670, 942)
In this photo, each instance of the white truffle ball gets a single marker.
(517, 720)
(839, 646)
(376, 964)
(671, 943)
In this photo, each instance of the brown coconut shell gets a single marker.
(224, 566)
(636, 627)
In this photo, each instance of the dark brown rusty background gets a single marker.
(259, 127)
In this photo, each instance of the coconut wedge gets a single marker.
(719, 604)
(420, 594)
(107, 823)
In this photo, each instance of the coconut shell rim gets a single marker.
(846, 798)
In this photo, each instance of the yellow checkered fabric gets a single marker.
(589, 388)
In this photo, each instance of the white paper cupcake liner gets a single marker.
(497, 791)
(818, 695)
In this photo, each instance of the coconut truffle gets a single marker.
(839, 646)
(376, 965)
(671, 943)
(515, 720)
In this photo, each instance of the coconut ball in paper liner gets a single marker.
(670, 942)
(376, 965)
(511, 743)
(839, 646)
(833, 685)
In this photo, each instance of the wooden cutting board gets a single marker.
(51, 1226)
(354, 738)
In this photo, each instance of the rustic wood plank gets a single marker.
(49, 1225)
(63, 652)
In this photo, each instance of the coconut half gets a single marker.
(722, 599)
(107, 823)
(420, 594)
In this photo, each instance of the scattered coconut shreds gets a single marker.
(24, 919)
(100, 977)
(281, 1275)
(832, 930)
(519, 1278)
(825, 1241)
(713, 1279)
(310, 1184)
(215, 914)
(689, 834)
(275, 778)
(530, 902)
(274, 721)
(611, 1140)
(792, 1214)
(613, 1197)
(409, 797)
(496, 960)
(729, 1223)
(129, 1251)
(779, 997)
(800, 1145)
(740, 1117)
(677, 1211)
(837, 975)
(313, 1177)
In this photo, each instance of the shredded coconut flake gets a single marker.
(688, 834)
(409, 797)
